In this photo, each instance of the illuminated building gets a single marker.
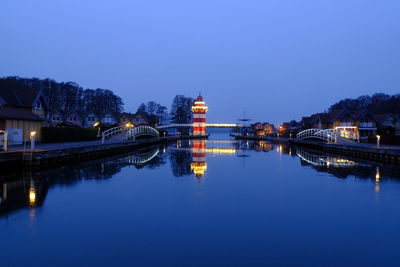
(199, 116)
(199, 164)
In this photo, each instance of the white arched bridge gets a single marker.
(121, 133)
(208, 125)
(330, 135)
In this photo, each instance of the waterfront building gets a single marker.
(108, 119)
(126, 119)
(390, 123)
(23, 112)
(55, 117)
(90, 119)
(73, 119)
(199, 116)
(262, 128)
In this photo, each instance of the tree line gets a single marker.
(378, 103)
(181, 110)
(67, 96)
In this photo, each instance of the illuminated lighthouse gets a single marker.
(199, 116)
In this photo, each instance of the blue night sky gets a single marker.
(278, 59)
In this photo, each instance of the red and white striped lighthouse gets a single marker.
(199, 116)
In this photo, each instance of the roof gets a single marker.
(144, 115)
(16, 94)
(15, 113)
(381, 118)
(335, 114)
(74, 112)
(66, 124)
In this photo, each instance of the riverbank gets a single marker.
(388, 154)
(63, 153)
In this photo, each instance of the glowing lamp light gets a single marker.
(377, 175)
(32, 196)
(129, 125)
(33, 134)
(97, 123)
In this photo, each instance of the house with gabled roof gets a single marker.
(126, 119)
(23, 110)
(90, 119)
(73, 118)
(55, 117)
(389, 122)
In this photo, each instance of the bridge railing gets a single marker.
(112, 132)
(330, 135)
(141, 130)
(354, 136)
(210, 125)
(327, 135)
(129, 133)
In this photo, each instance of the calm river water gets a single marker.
(199, 203)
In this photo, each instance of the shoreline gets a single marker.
(388, 154)
(65, 155)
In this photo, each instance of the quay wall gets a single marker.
(372, 153)
(76, 154)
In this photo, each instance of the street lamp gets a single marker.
(378, 140)
(97, 124)
(32, 137)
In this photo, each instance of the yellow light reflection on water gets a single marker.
(199, 168)
(220, 150)
(32, 196)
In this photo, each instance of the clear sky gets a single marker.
(278, 59)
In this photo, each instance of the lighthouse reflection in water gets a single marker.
(200, 148)
(199, 164)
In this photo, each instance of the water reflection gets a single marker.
(187, 158)
(324, 160)
(29, 189)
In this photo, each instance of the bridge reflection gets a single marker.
(28, 190)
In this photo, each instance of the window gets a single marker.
(389, 122)
(38, 105)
